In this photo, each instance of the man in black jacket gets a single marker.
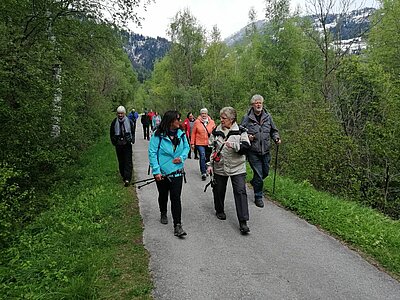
(261, 130)
(122, 135)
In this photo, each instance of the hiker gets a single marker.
(145, 120)
(228, 160)
(133, 115)
(261, 130)
(122, 136)
(167, 152)
(202, 128)
(155, 122)
(188, 126)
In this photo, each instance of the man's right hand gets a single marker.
(158, 177)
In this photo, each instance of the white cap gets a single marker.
(121, 109)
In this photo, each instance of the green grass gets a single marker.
(376, 236)
(87, 246)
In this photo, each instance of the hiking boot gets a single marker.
(126, 183)
(221, 215)
(178, 231)
(259, 202)
(164, 219)
(204, 177)
(244, 229)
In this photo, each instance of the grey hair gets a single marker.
(256, 98)
(230, 113)
(121, 109)
(204, 110)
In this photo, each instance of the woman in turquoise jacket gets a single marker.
(168, 151)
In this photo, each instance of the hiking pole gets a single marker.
(151, 181)
(212, 183)
(276, 166)
(143, 180)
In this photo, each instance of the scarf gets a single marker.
(122, 126)
(173, 135)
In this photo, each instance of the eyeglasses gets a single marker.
(223, 118)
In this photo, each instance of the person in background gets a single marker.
(155, 121)
(261, 130)
(145, 120)
(202, 128)
(151, 114)
(133, 115)
(188, 127)
(230, 142)
(167, 152)
(122, 136)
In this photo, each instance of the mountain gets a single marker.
(347, 28)
(143, 52)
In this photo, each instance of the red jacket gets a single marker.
(186, 126)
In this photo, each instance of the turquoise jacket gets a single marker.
(161, 153)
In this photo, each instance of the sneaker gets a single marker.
(204, 177)
(259, 203)
(221, 215)
(164, 218)
(126, 183)
(178, 231)
(244, 229)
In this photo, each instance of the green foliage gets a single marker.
(57, 68)
(90, 237)
(16, 206)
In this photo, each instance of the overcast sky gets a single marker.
(229, 15)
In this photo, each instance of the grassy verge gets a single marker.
(88, 246)
(362, 228)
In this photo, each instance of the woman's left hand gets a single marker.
(177, 160)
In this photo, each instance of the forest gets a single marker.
(63, 71)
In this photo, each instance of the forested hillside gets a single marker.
(338, 113)
(143, 52)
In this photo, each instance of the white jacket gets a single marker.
(230, 161)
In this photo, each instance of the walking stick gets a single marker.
(276, 166)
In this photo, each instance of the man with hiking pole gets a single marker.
(261, 130)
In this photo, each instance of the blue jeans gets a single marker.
(260, 166)
(204, 154)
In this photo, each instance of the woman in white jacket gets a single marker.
(230, 142)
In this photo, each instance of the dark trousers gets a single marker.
(173, 187)
(124, 155)
(239, 194)
(260, 166)
(146, 132)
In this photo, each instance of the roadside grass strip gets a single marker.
(88, 245)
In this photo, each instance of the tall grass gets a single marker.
(87, 246)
